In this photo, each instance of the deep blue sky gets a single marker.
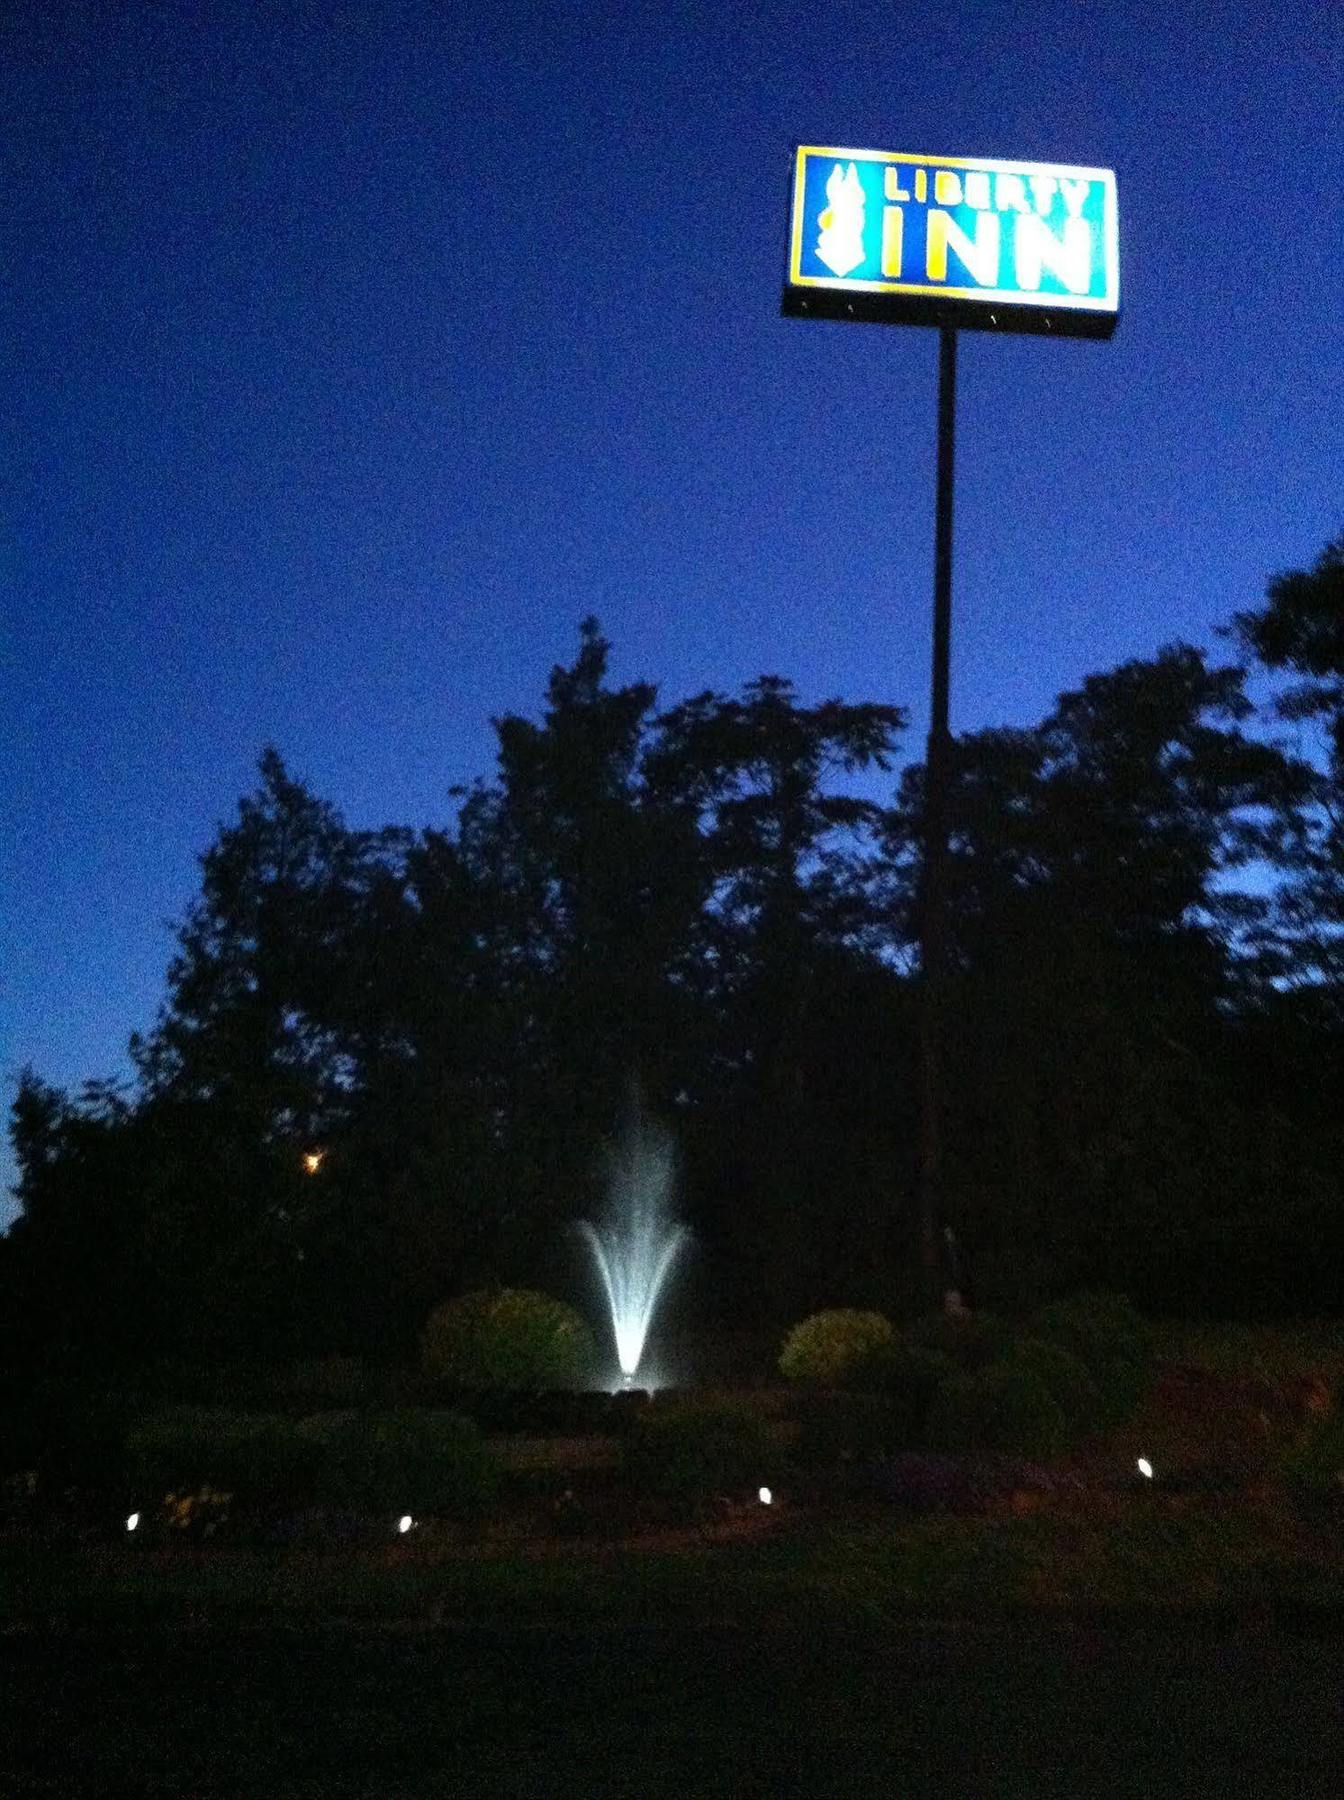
(352, 353)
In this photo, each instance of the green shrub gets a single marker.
(415, 1460)
(968, 1340)
(327, 1381)
(1112, 1342)
(837, 1428)
(1065, 1378)
(509, 1338)
(827, 1348)
(244, 1385)
(693, 1450)
(69, 1432)
(261, 1456)
(904, 1380)
(1001, 1410)
(905, 1372)
(1314, 1467)
(1095, 1326)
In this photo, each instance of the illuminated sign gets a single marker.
(953, 240)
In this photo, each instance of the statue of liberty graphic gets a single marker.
(840, 244)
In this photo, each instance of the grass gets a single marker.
(1152, 1557)
(680, 1709)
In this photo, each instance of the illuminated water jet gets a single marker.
(635, 1249)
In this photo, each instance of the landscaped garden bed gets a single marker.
(947, 1467)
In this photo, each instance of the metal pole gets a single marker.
(933, 911)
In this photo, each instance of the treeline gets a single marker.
(387, 1061)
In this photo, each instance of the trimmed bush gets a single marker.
(926, 1482)
(328, 1381)
(882, 1408)
(69, 1433)
(259, 1456)
(1002, 1410)
(842, 1429)
(1096, 1326)
(415, 1460)
(968, 1340)
(906, 1375)
(827, 1348)
(695, 1450)
(1112, 1342)
(508, 1338)
(1314, 1468)
(1066, 1379)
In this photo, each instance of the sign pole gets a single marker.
(933, 911)
(900, 238)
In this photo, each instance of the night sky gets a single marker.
(351, 354)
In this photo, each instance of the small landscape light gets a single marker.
(1145, 1468)
(764, 1496)
(404, 1523)
(132, 1520)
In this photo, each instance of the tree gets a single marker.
(798, 1116)
(80, 1283)
(589, 882)
(1098, 933)
(275, 1015)
(1300, 629)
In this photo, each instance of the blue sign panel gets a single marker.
(1006, 246)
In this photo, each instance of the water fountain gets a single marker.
(635, 1248)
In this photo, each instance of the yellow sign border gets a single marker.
(1108, 302)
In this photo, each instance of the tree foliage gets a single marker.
(1300, 630)
(387, 1061)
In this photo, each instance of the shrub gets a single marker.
(200, 1512)
(260, 1456)
(562, 1413)
(327, 1381)
(1112, 1342)
(1314, 1467)
(1002, 1410)
(694, 1450)
(927, 1482)
(906, 1375)
(847, 1429)
(245, 1385)
(416, 1459)
(827, 1348)
(508, 1338)
(883, 1408)
(967, 1340)
(1096, 1326)
(1067, 1380)
(70, 1433)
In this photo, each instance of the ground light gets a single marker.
(404, 1523)
(132, 1520)
(764, 1495)
(1145, 1468)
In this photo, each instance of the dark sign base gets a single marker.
(927, 309)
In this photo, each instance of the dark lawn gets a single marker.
(687, 1710)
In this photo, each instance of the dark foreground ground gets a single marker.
(930, 1709)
